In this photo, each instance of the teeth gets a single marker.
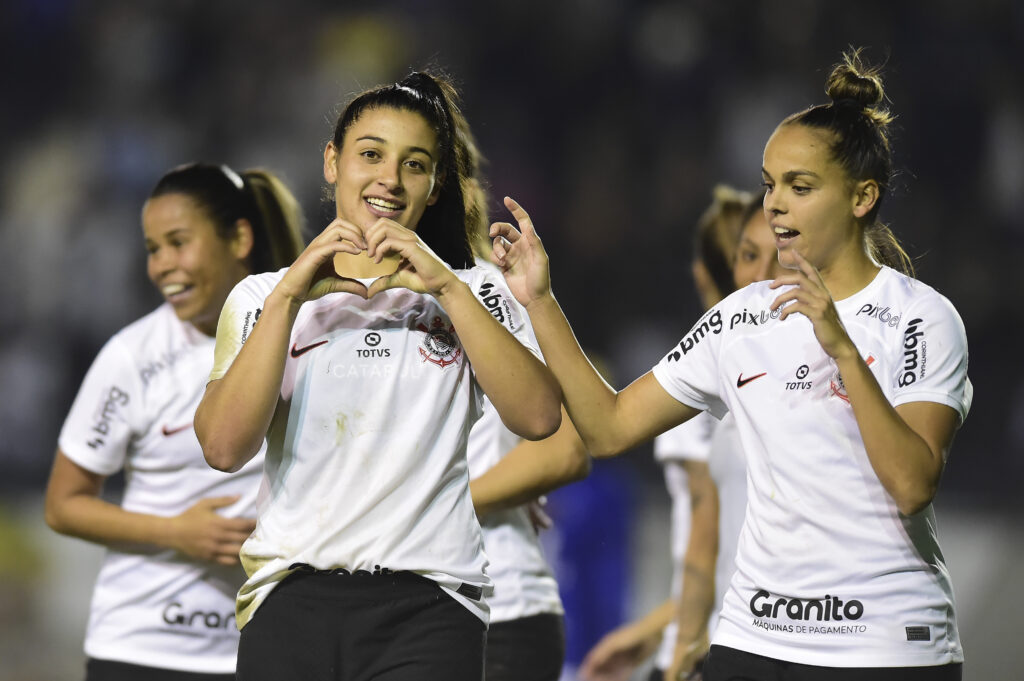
(172, 289)
(782, 231)
(383, 204)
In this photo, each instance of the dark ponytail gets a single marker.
(444, 226)
(257, 196)
(859, 128)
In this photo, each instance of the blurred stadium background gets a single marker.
(609, 120)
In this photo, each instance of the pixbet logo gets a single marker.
(880, 313)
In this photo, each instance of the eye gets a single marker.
(417, 165)
(799, 189)
(768, 186)
(370, 154)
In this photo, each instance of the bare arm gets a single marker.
(532, 469)
(621, 651)
(74, 507)
(907, 445)
(698, 596)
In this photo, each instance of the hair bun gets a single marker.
(854, 84)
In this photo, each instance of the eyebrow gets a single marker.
(381, 140)
(791, 175)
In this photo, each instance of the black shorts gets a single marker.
(729, 664)
(342, 627)
(526, 649)
(111, 670)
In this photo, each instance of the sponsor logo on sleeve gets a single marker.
(709, 324)
(882, 314)
(915, 354)
(246, 322)
(440, 344)
(105, 412)
(496, 303)
(828, 615)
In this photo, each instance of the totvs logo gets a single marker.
(710, 324)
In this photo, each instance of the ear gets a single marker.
(243, 239)
(331, 163)
(865, 196)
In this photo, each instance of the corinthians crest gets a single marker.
(836, 385)
(440, 346)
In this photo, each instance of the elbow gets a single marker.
(54, 518)
(915, 498)
(540, 425)
(221, 459)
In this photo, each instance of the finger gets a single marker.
(807, 268)
(219, 502)
(521, 216)
(504, 230)
(340, 228)
(227, 560)
(500, 250)
(793, 294)
(788, 278)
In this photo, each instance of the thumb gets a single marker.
(219, 502)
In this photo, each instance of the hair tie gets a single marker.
(233, 177)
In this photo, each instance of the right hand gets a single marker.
(521, 256)
(312, 274)
(618, 654)
(202, 533)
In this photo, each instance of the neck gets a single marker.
(847, 275)
(361, 266)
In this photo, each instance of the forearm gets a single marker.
(908, 468)
(100, 522)
(521, 387)
(235, 413)
(698, 595)
(531, 469)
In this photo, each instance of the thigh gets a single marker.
(803, 672)
(437, 640)
(111, 670)
(526, 649)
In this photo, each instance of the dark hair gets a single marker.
(718, 232)
(256, 195)
(443, 226)
(860, 143)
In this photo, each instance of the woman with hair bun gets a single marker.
(363, 365)
(163, 602)
(847, 379)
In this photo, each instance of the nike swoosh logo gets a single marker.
(171, 431)
(296, 351)
(740, 381)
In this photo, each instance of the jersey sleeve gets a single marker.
(490, 289)
(104, 417)
(932, 362)
(690, 441)
(239, 315)
(689, 372)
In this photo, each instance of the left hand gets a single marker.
(685, 658)
(811, 298)
(420, 269)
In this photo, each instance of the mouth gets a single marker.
(175, 293)
(783, 235)
(384, 208)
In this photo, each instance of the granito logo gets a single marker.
(372, 339)
(115, 398)
(828, 609)
(880, 313)
(747, 317)
(800, 383)
(711, 323)
(915, 354)
(495, 303)
(175, 614)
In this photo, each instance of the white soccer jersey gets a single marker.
(366, 461)
(134, 411)
(728, 466)
(828, 571)
(524, 584)
(690, 441)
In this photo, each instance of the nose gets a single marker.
(391, 176)
(773, 204)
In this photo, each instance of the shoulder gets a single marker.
(918, 300)
(488, 285)
(259, 284)
(158, 327)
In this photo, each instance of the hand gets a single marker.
(810, 298)
(419, 269)
(312, 274)
(521, 256)
(617, 654)
(686, 658)
(539, 518)
(203, 533)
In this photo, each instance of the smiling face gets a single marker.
(756, 259)
(386, 168)
(811, 204)
(188, 262)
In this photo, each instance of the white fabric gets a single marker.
(690, 441)
(366, 460)
(820, 527)
(134, 411)
(728, 466)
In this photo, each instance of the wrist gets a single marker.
(542, 303)
(451, 291)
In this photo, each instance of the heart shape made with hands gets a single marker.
(350, 268)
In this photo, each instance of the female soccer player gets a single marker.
(163, 602)
(364, 365)
(847, 380)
